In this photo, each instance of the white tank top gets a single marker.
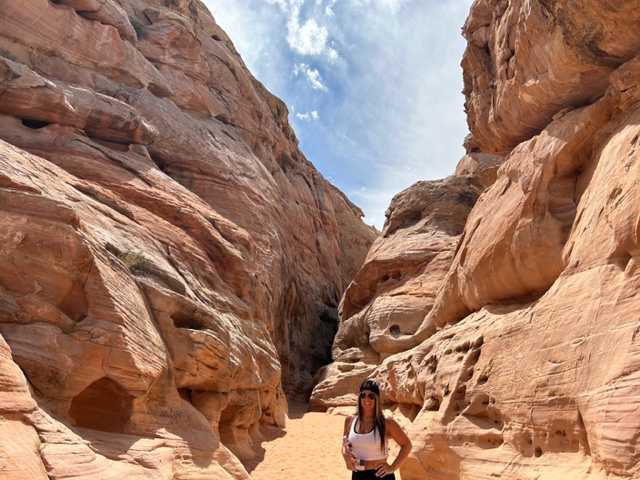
(366, 445)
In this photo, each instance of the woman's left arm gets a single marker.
(395, 431)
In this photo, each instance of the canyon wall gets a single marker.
(499, 307)
(170, 263)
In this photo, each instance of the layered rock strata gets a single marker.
(388, 299)
(525, 363)
(170, 263)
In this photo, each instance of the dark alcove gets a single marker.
(103, 406)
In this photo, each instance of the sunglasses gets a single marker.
(370, 396)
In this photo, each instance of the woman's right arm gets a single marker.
(346, 454)
(347, 425)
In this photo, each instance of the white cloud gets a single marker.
(393, 5)
(328, 10)
(283, 4)
(316, 82)
(308, 38)
(332, 54)
(308, 116)
(305, 37)
(312, 75)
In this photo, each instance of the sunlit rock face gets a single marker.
(386, 303)
(527, 61)
(170, 263)
(525, 361)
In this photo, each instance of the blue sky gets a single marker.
(373, 87)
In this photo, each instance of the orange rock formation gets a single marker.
(509, 335)
(170, 263)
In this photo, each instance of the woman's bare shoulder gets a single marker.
(348, 419)
(389, 420)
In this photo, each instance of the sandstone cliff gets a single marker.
(506, 331)
(170, 263)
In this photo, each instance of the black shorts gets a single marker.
(371, 475)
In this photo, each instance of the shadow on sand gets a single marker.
(269, 433)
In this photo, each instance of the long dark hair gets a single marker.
(378, 420)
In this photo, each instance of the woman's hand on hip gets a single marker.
(383, 469)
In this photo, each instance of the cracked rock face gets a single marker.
(170, 263)
(518, 356)
(527, 61)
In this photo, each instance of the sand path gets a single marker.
(308, 447)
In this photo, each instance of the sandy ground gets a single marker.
(308, 447)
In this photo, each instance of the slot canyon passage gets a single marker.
(174, 271)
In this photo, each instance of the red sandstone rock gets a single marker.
(170, 263)
(526, 363)
(527, 61)
(483, 166)
(385, 304)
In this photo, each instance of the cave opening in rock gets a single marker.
(185, 394)
(103, 405)
(34, 124)
(185, 320)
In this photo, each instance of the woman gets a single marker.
(365, 438)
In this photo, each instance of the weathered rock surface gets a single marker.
(527, 61)
(387, 301)
(483, 166)
(170, 263)
(526, 362)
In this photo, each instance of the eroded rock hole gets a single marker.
(181, 320)
(75, 304)
(432, 404)
(185, 394)
(34, 124)
(103, 405)
(475, 355)
(226, 119)
(329, 315)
